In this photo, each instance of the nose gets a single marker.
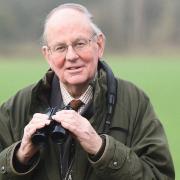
(71, 54)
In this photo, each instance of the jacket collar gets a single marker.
(41, 93)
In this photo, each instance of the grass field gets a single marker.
(159, 77)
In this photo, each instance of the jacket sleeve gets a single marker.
(9, 170)
(8, 146)
(147, 157)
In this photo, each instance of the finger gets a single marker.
(36, 120)
(71, 128)
(40, 116)
(28, 132)
(65, 114)
(31, 128)
(75, 124)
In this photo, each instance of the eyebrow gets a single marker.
(64, 43)
(59, 44)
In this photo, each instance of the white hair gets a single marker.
(77, 7)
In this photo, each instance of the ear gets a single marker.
(101, 44)
(46, 54)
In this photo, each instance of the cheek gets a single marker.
(92, 57)
(91, 60)
(56, 63)
(92, 67)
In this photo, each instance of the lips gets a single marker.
(75, 69)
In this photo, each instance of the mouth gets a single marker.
(75, 69)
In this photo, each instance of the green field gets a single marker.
(159, 77)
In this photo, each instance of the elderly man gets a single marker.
(113, 134)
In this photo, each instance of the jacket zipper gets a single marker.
(68, 175)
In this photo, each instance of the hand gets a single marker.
(81, 129)
(27, 149)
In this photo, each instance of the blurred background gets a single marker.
(142, 46)
(130, 25)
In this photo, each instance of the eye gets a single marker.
(80, 44)
(61, 48)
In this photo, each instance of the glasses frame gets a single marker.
(77, 51)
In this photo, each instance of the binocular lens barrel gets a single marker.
(39, 138)
(58, 134)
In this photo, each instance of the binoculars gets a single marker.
(54, 130)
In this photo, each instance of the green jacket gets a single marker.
(136, 147)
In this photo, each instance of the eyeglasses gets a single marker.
(80, 45)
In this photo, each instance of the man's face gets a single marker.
(73, 50)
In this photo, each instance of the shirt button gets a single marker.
(115, 163)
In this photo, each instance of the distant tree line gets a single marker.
(127, 24)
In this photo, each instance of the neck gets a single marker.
(76, 91)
